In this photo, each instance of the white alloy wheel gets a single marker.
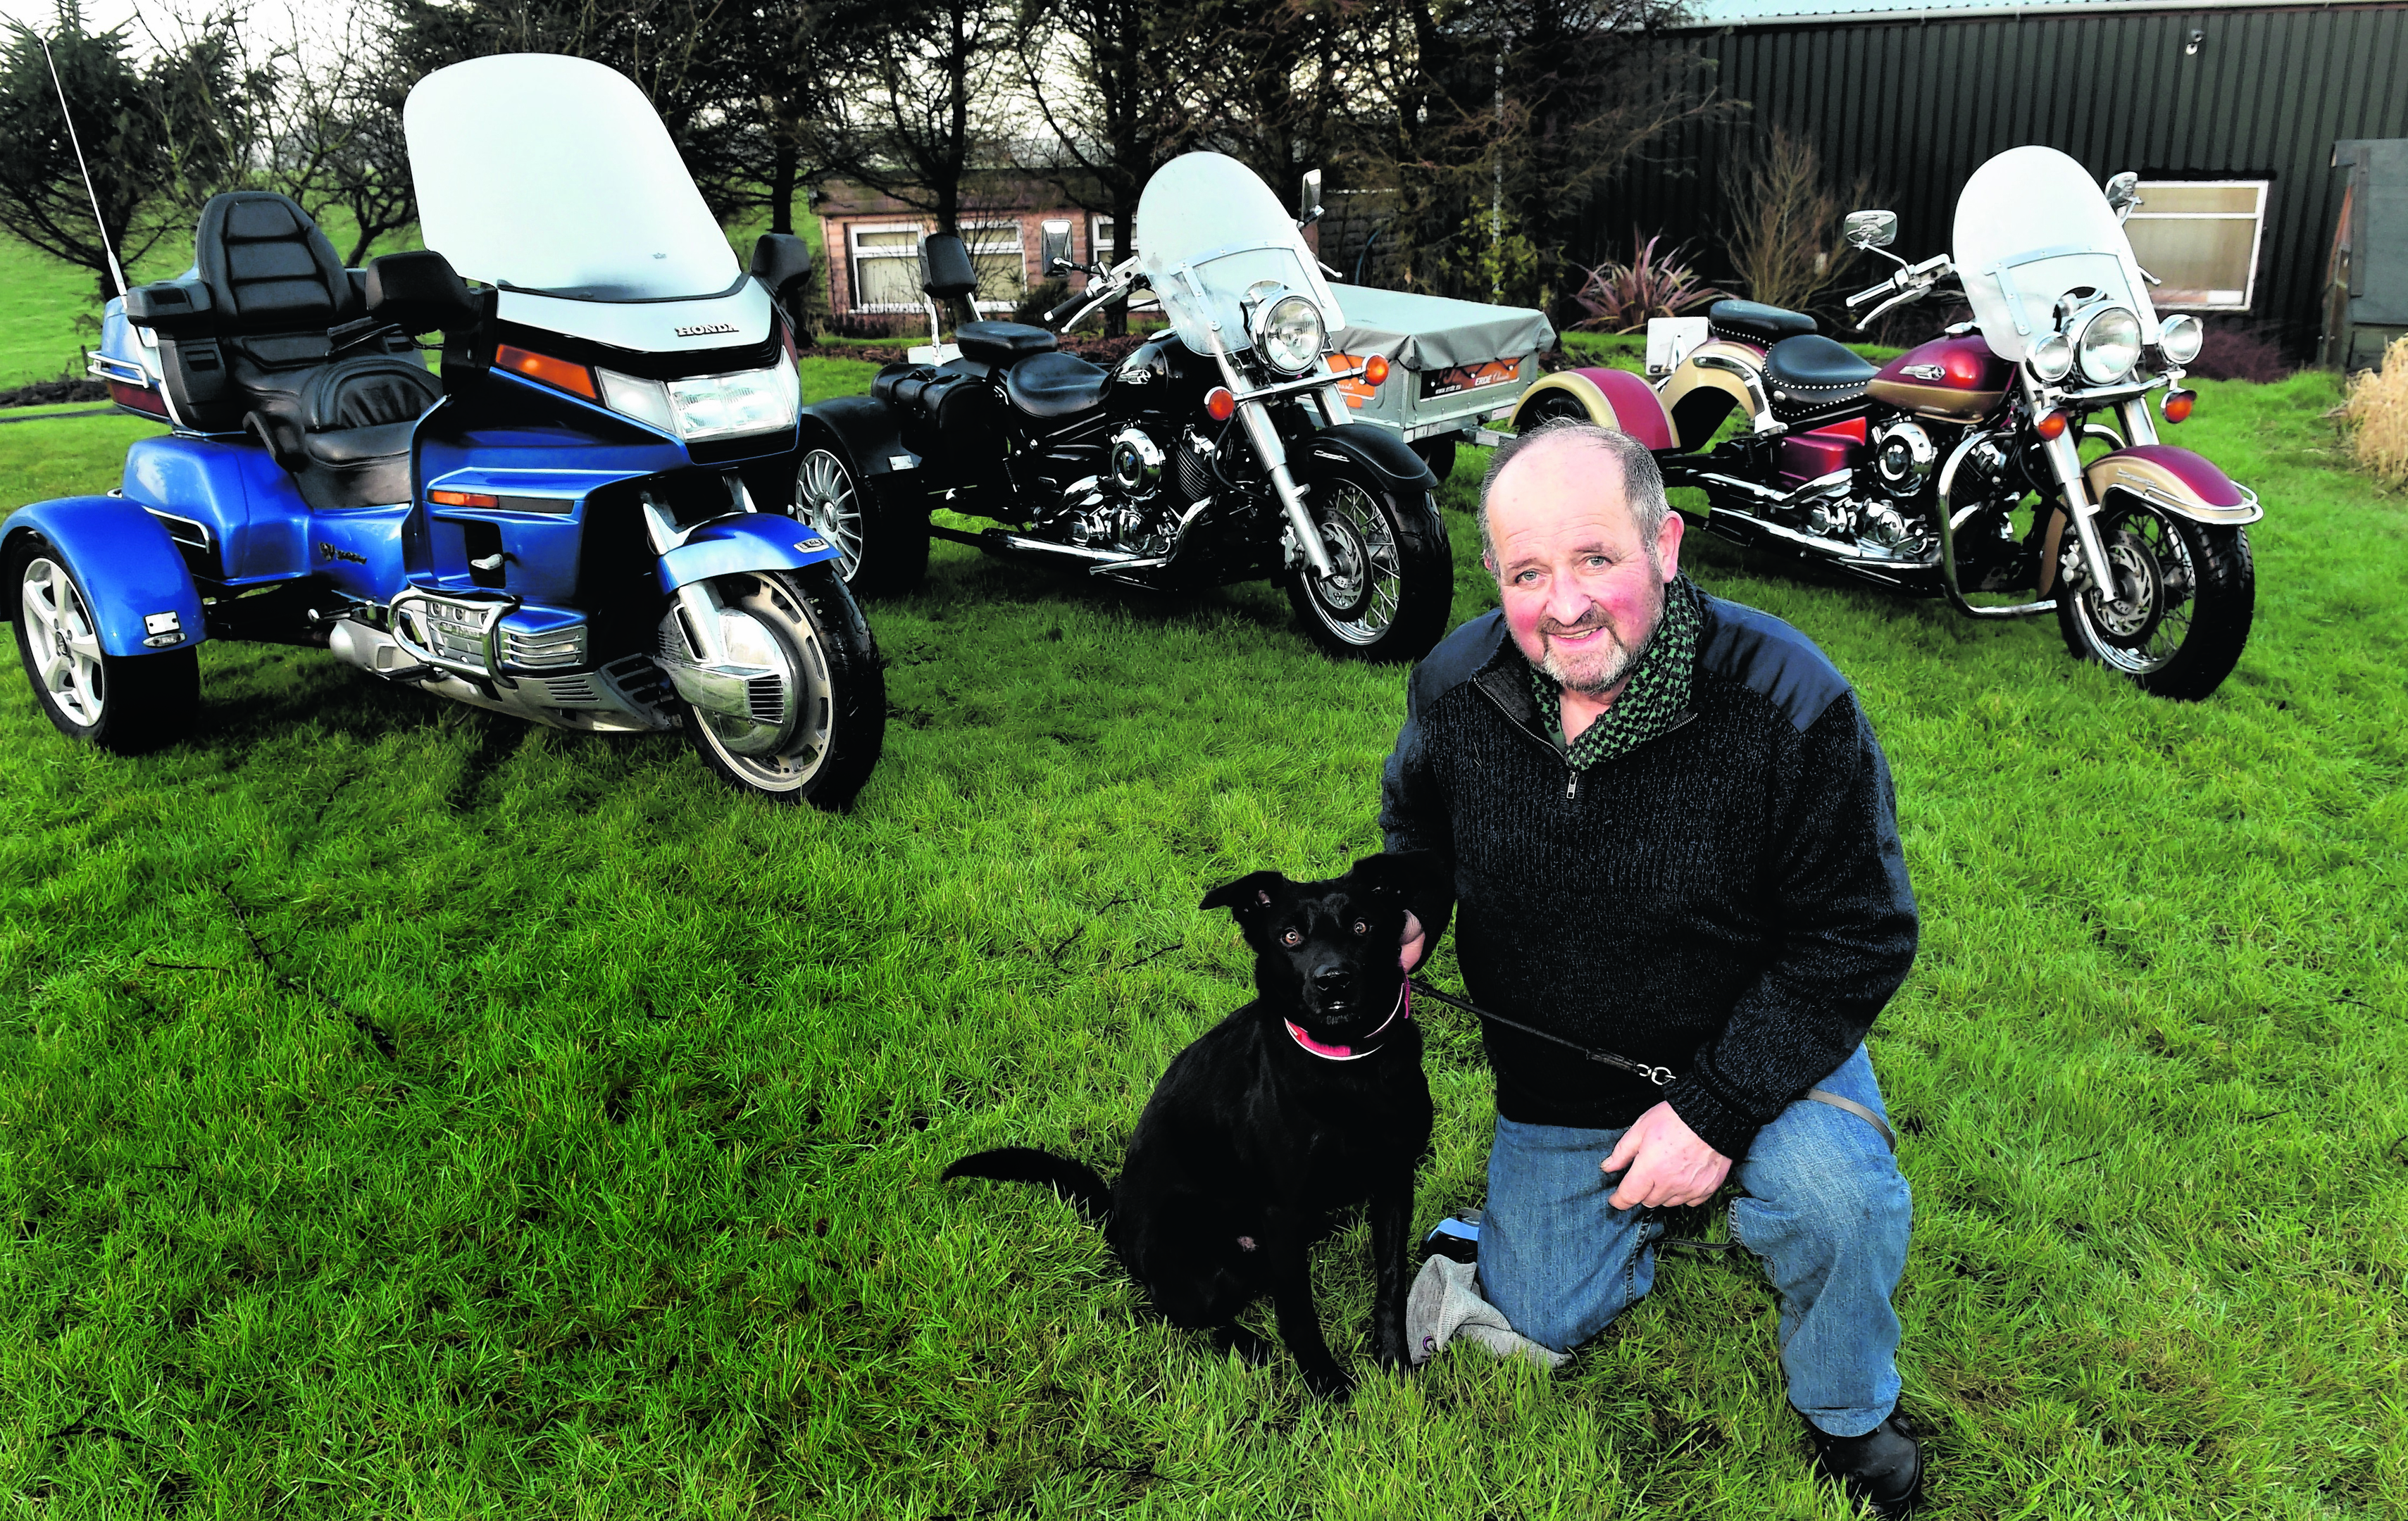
(827, 497)
(62, 645)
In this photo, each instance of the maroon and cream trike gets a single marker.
(2017, 453)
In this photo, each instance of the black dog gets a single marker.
(1304, 1102)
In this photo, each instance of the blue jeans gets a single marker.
(1826, 1209)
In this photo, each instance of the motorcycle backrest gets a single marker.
(945, 269)
(268, 267)
(419, 292)
(783, 263)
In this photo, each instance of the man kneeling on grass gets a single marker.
(1673, 838)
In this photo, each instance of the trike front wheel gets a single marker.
(816, 719)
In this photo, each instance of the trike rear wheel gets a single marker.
(127, 704)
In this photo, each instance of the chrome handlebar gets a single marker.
(1913, 282)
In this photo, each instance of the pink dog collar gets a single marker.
(1404, 1009)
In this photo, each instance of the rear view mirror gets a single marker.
(1871, 229)
(1308, 211)
(2123, 194)
(419, 292)
(945, 270)
(783, 263)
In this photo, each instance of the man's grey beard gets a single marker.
(1624, 661)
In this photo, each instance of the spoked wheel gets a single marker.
(122, 703)
(1395, 581)
(815, 714)
(2185, 594)
(882, 539)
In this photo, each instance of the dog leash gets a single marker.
(1658, 1075)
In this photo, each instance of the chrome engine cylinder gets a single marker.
(1904, 457)
(1137, 463)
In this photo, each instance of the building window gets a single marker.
(2201, 238)
(1100, 240)
(885, 268)
(1002, 269)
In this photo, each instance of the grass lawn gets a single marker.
(641, 1216)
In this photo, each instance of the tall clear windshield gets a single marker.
(2031, 227)
(1207, 231)
(551, 174)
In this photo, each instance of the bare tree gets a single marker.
(1105, 77)
(1501, 120)
(1785, 219)
(921, 108)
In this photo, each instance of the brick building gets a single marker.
(1014, 227)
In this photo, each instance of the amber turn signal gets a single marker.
(2177, 404)
(1221, 404)
(1375, 369)
(2052, 425)
(462, 499)
(551, 371)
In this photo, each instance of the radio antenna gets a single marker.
(68, 113)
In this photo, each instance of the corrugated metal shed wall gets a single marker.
(1920, 103)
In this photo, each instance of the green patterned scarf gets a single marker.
(1656, 696)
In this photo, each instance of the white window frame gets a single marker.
(1020, 245)
(855, 255)
(2265, 189)
(1099, 239)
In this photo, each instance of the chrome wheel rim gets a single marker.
(791, 752)
(61, 642)
(1359, 603)
(2146, 624)
(825, 498)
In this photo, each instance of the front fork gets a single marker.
(1264, 433)
(698, 602)
(2064, 455)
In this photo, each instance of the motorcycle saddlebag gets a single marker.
(959, 407)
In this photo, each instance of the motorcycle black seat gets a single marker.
(341, 427)
(1055, 384)
(1751, 322)
(1809, 375)
(1000, 343)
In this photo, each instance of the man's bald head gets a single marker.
(1635, 472)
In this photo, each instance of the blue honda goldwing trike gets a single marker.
(560, 526)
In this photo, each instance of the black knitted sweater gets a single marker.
(1729, 900)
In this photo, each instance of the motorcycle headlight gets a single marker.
(699, 406)
(2179, 337)
(1288, 334)
(2109, 346)
(2052, 357)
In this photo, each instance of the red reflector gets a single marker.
(137, 398)
(2178, 405)
(1376, 370)
(2052, 425)
(551, 371)
(462, 499)
(1221, 404)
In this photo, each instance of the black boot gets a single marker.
(1883, 1469)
